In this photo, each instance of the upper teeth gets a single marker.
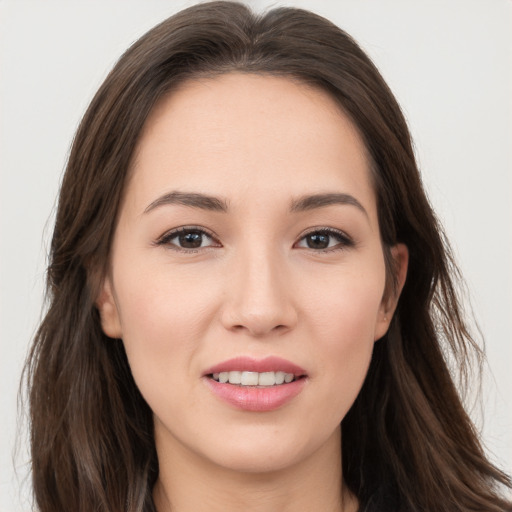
(254, 378)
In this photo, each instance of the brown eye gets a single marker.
(188, 239)
(325, 239)
(317, 241)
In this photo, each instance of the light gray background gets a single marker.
(449, 64)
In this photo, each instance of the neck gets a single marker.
(188, 483)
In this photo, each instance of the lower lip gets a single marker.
(256, 399)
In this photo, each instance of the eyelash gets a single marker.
(165, 239)
(344, 241)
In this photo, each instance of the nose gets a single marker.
(259, 298)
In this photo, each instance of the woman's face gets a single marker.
(248, 241)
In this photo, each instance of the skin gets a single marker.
(254, 288)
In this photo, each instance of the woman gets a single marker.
(251, 303)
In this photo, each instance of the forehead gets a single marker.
(220, 135)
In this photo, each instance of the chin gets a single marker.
(263, 460)
(271, 451)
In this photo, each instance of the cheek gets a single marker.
(162, 316)
(346, 314)
(161, 299)
(347, 304)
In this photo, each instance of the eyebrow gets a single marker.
(193, 199)
(212, 203)
(311, 202)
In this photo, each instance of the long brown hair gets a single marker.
(408, 444)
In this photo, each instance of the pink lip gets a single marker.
(247, 364)
(256, 399)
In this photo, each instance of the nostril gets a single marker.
(258, 318)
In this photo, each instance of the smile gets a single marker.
(256, 385)
(246, 378)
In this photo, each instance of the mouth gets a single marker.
(255, 379)
(246, 371)
(256, 385)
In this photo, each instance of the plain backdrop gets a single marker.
(449, 64)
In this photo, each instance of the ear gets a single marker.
(107, 308)
(400, 256)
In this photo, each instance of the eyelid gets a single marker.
(345, 240)
(171, 233)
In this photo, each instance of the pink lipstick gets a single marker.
(256, 385)
(269, 364)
